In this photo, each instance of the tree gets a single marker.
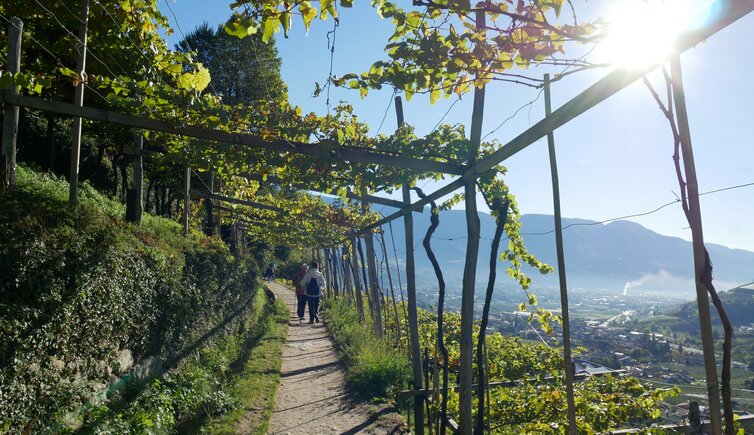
(127, 58)
(244, 71)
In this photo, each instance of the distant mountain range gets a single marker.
(620, 256)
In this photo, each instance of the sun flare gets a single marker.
(642, 32)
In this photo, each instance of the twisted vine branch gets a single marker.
(706, 275)
(434, 219)
(500, 209)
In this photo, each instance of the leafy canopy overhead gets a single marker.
(437, 48)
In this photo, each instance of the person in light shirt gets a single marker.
(313, 283)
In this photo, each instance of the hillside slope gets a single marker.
(85, 296)
(738, 303)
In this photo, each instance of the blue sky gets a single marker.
(614, 160)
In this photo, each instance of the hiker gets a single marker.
(270, 273)
(313, 283)
(300, 297)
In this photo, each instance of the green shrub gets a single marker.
(374, 369)
(77, 287)
(200, 389)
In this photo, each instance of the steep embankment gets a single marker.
(85, 297)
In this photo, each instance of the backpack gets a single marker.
(312, 289)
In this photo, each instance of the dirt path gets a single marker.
(312, 397)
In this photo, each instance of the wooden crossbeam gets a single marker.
(419, 205)
(258, 206)
(236, 201)
(277, 180)
(350, 195)
(376, 200)
(317, 150)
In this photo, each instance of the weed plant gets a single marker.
(374, 369)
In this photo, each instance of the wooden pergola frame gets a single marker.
(728, 11)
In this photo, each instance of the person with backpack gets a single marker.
(313, 282)
(300, 289)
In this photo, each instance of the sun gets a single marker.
(640, 33)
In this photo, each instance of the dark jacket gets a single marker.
(297, 282)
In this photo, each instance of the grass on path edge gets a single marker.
(259, 378)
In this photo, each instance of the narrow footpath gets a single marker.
(312, 397)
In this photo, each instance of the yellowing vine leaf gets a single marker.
(201, 79)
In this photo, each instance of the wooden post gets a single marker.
(209, 229)
(567, 360)
(134, 206)
(356, 279)
(327, 271)
(330, 274)
(697, 240)
(347, 275)
(186, 198)
(324, 267)
(217, 186)
(341, 271)
(425, 367)
(78, 101)
(466, 375)
(398, 269)
(233, 234)
(392, 289)
(695, 418)
(335, 270)
(413, 323)
(10, 113)
(364, 277)
(374, 287)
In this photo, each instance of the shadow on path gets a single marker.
(371, 420)
(309, 369)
